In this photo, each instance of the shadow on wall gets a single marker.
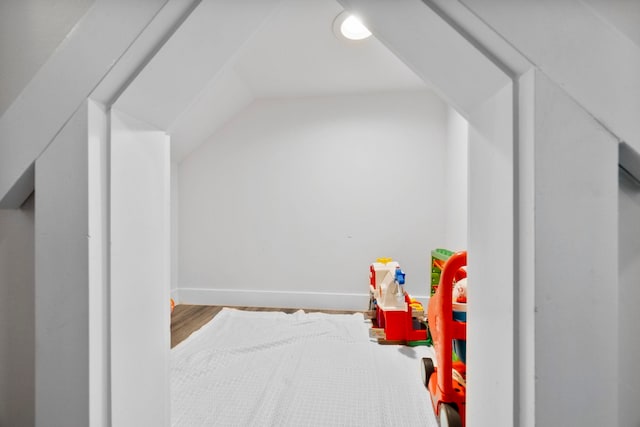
(628, 299)
(17, 316)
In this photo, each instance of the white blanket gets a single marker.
(302, 369)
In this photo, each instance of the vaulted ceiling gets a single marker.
(224, 55)
(227, 54)
(30, 30)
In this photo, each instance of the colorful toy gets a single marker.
(448, 328)
(438, 258)
(460, 292)
(398, 317)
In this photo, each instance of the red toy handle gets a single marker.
(441, 324)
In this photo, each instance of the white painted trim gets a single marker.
(60, 87)
(139, 154)
(284, 299)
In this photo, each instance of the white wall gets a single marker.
(71, 296)
(62, 278)
(459, 72)
(17, 317)
(583, 46)
(299, 196)
(491, 263)
(456, 189)
(30, 31)
(60, 86)
(576, 252)
(525, 280)
(628, 302)
(140, 273)
(174, 230)
(98, 248)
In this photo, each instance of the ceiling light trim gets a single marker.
(349, 27)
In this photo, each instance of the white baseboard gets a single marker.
(281, 299)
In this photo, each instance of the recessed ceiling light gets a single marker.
(350, 27)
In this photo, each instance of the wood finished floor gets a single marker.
(187, 319)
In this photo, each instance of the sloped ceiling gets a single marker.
(30, 30)
(195, 54)
(287, 51)
(296, 53)
(624, 15)
(229, 53)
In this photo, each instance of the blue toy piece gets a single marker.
(399, 276)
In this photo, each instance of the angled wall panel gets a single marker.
(63, 83)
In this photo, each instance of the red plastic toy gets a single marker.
(401, 326)
(447, 382)
(398, 317)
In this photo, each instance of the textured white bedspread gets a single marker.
(301, 369)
